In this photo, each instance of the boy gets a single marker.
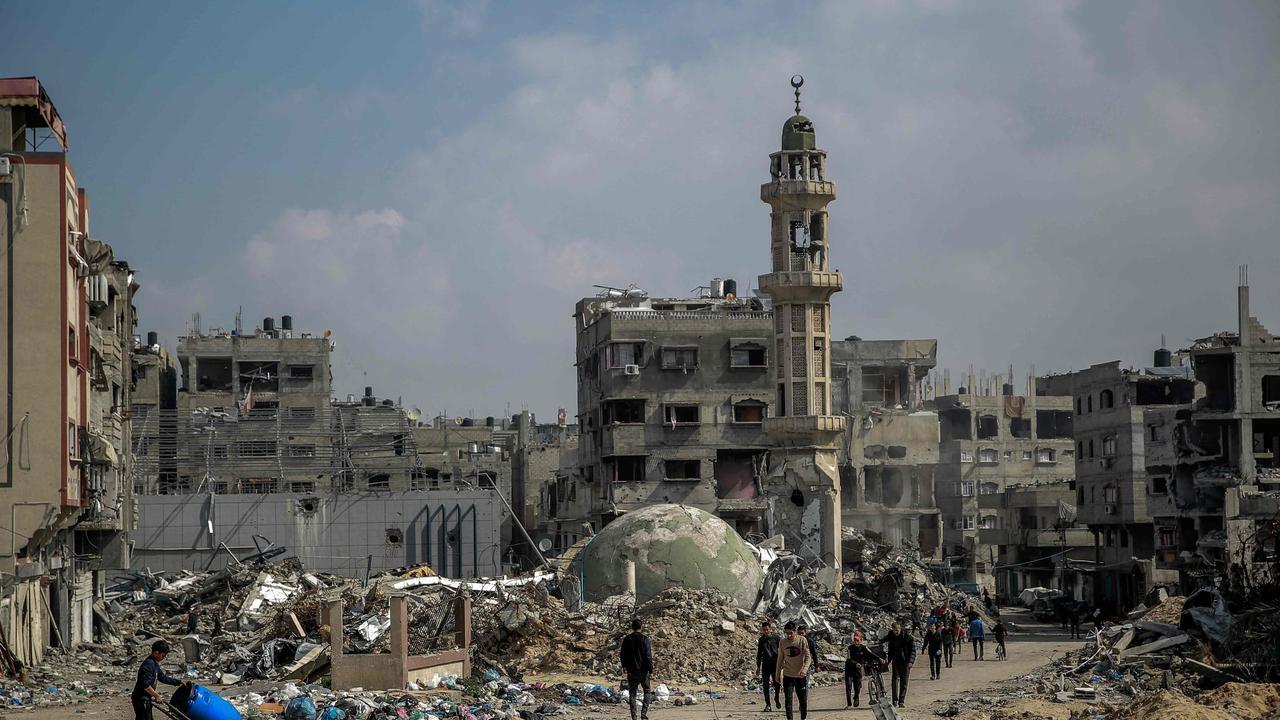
(637, 660)
(144, 689)
(793, 669)
(767, 661)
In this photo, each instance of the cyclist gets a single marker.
(860, 658)
(1000, 631)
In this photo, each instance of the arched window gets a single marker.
(1106, 400)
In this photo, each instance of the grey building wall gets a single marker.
(456, 531)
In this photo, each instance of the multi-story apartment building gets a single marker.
(1127, 424)
(889, 451)
(672, 394)
(153, 415)
(66, 324)
(254, 412)
(989, 443)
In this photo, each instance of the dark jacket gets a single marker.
(932, 643)
(900, 649)
(859, 657)
(813, 651)
(948, 636)
(636, 653)
(767, 652)
(148, 674)
(1000, 632)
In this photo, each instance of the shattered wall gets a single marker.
(457, 532)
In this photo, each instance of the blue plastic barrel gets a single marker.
(205, 704)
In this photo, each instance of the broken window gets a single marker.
(1270, 389)
(261, 375)
(877, 388)
(682, 469)
(304, 486)
(799, 236)
(302, 451)
(1026, 456)
(258, 486)
(215, 374)
(988, 522)
(1088, 403)
(1078, 404)
(988, 455)
(674, 415)
(957, 424)
(262, 410)
(1109, 446)
(1106, 400)
(989, 488)
(622, 354)
(988, 427)
(966, 456)
(1053, 424)
(486, 479)
(626, 410)
(748, 411)
(381, 481)
(1159, 485)
(1020, 427)
(748, 355)
(679, 358)
(629, 468)
(256, 448)
(1045, 455)
(897, 452)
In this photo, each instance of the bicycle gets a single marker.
(875, 683)
(1000, 652)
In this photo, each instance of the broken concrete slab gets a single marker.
(1157, 646)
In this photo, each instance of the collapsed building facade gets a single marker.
(1178, 464)
(256, 453)
(1006, 464)
(889, 450)
(68, 322)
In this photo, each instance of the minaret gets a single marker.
(803, 485)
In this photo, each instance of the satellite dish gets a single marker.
(414, 415)
(457, 421)
(544, 545)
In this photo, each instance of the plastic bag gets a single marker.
(300, 708)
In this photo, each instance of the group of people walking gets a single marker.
(786, 662)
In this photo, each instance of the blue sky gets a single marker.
(1053, 184)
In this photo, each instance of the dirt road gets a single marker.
(1035, 645)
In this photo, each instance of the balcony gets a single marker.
(994, 536)
(623, 439)
(992, 501)
(1050, 538)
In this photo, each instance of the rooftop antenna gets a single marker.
(796, 82)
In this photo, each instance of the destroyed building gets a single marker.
(672, 394)
(68, 330)
(1127, 493)
(265, 457)
(1176, 462)
(992, 440)
(889, 451)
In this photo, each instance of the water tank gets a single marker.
(717, 288)
(1007, 388)
(200, 703)
(153, 338)
(268, 326)
(388, 403)
(286, 322)
(1164, 358)
(368, 391)
(488, 422)
(468, 422)
(731, 288)
(962, 390)
(473, 448)
(369, 400)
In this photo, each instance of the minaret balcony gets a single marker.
(822, 189)
(801, 286)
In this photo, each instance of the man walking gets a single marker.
(948, 633)
(793, 669)
(813, 647)
(637, 660)
(1073, 616)
(859, 657)
(932, 646)
(977, 633)
(901, 650)
(767, 663)
(144, 689)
